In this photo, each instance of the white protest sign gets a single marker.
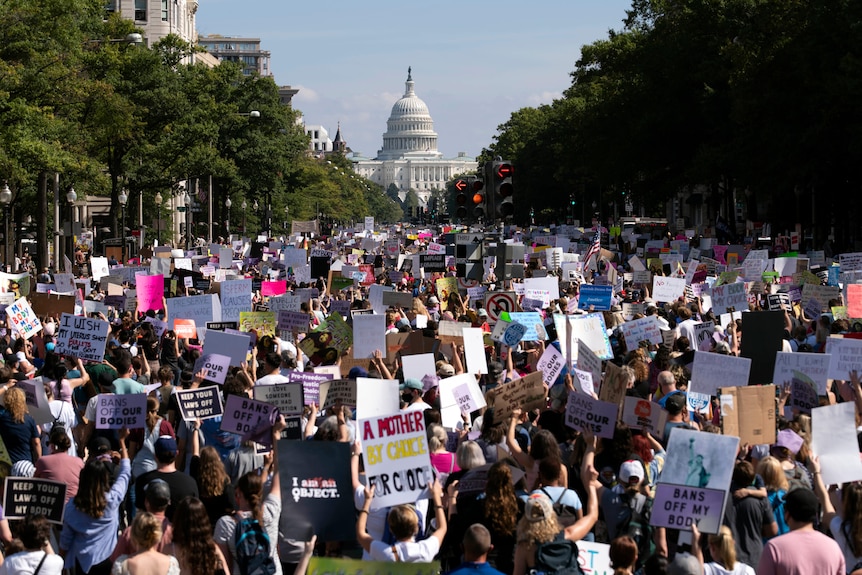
(376, 397)
(845, 356)
(82, 337)
(396, 456)
(644, 414)
(202, 309)
(23, 319)
(703, 335)
(233, 345)
(667, 289)
(730, 297)
(585, 413)
(643, 329)
(711, 371)
(335, 390)
(369, 335)
(287, 397)
(585, 380)
(551, 365)
(474, 350)
(418, 365)
(814, 366)
(37, 401)
(214, 365)
(118, 411)
(99, 267)
(833, 439)
(235, 298)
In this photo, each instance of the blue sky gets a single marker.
(474, 62)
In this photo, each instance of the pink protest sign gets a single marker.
(151, 291)
(270, 288)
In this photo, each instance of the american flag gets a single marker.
(595, 248)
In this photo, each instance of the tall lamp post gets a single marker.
(244, 207)
(71, 198)
(227, 204)
(158, 199)
(123, 198)
(6, 199)
(188, 201)
(255, 206)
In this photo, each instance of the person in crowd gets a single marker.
(214, 485)
(38, 556)
(722, 549)
(842, 513)
(146, 532)
(18, 430)
(623, 554)
(476, 545)
(91, 518)
(60, 465)
(543, 445)
(181, 484)
(443, 461)
(749, 518)
(777, 486)
(157, 497)
(193, 544)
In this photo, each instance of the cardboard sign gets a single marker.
(396, 456)
(814, 367)
(613, 388)
(287, 397)
(316, 490)
(52, 304)
(330, 565)
(585, 413)
(23, 319)
(25, 496)
(527, 393)
(712, 371)
(749, 413)
(215, 366)
(200, 403)
(82, 337)
(833, 431)
(644, 414)
(695, 480)
(119, 411)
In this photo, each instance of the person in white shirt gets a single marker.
(411, 394)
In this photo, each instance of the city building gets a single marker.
(158, 18)
(245, 51)
(320, 141)
(409, 157)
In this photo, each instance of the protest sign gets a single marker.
(52, 304)
(762, 338)
(185, 328)
(23, 319)
(814, 366)
(214, 365)
(714, 370)
(585, 381)
(594, 558)
(532, 320)
(82, 337)
(37, 401)
(25, 496)
(730, 297)
(233, 345)
(551, 365)
(614, 384)
(375, 397)
(703, 333)
(260, 322)
(595, 297)
(159, 327)
(474, 350)
(697, 402)
(199, 403)
(667, 289)
(335, 390)
(748, 412)
(396, 457)
(292, 321)
(845, 356)
(397, 299)
(585, 413)
(644, 414)
(235, 298)
(369, 335)
(118, 411)
(287, 397)
(833, 439)
(695, 480)
(459, 394)
(418, 365)
(643, 329)
(820, 293)
(310, 384)
(526, 393)
(198, 308)
(273, 288)
(151, 292)
(249, 418)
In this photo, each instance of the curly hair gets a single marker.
(16, 404)
(193, 535)
(539, 524)
(212, 473)
(501, 505)
(93, 486)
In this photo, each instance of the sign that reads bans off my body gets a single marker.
(397, 461)
(585, 413)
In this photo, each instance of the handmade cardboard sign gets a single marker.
(748, 412)
(527, 393)
(82, 337)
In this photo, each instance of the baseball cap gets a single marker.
(355, 372)
(482, 312)
(445, 370)
(802, 505)
(433, 300)
(412, 383)
(165, 444)
(158, 493)
(675, 403)
(629, 469)
(538, 507)
(100, 445)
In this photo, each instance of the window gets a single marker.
(141, 10)
(111, 6)
(164, 10)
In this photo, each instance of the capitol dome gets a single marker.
(410, 129)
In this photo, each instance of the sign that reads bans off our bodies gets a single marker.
(397, 459)
(119, 411)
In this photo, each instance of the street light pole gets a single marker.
(244, 207)
(227, 204)
(188, 201)
(6, 199)
(123, 198)
(71, 197)
(158, 199)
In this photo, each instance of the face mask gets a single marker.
(407, 397)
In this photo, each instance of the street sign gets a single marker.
(498, 302)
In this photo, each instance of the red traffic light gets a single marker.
(505, 171)
(461, 185)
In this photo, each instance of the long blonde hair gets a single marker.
(16, 404)
(773, 474)
(724, 547)
(539, 523)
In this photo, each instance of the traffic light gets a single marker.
(461, 189)
(477, 187)
(501, 172)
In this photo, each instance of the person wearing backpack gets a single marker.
(543, 545)
(567, 504)
(249, 538)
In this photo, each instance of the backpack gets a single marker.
(557, 557)
(636, 525)
(252, 548)
(566, 514)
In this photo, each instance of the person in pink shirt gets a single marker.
(60, 465)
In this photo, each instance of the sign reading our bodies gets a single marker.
(200, 403)
(396, 457)
(695, 480)
(119, 411)
(215, 367)
(27, 496)
(585, 413)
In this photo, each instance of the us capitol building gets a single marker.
(409, 157)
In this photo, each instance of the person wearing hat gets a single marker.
(156, 501)
(804, 550)
(181, 485)
(676, 406)
(412, 391)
